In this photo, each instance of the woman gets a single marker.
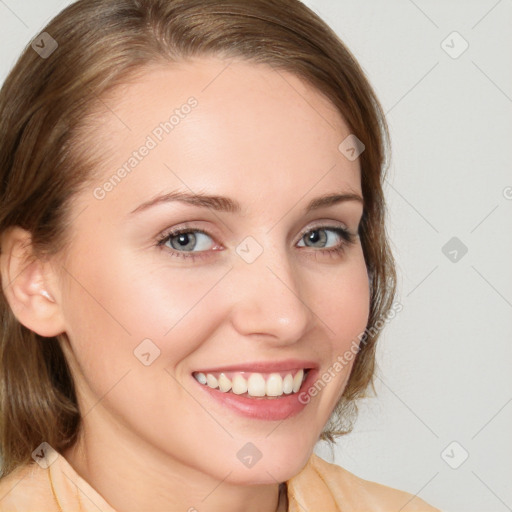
(193, 260)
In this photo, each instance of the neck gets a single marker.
(132, 476)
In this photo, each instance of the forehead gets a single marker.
(247, 128)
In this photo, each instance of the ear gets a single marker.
(29, 284)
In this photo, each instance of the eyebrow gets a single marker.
(226, 204)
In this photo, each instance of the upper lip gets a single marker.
(263, 366)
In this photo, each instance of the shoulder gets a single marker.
(52, 487)
(323, 485)
(26, 489)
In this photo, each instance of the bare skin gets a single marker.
(152, 438)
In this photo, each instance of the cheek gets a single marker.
(343, 308)
(113, 302)
(342, 303)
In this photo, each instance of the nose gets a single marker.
(270, 299)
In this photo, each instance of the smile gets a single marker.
(254, 384)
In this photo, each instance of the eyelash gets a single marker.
(347, 237)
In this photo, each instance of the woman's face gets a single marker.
(259, 286)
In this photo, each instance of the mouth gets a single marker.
(268, 396)
(248, 384)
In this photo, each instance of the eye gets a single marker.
(318, 236)
(341, 237)
(185, 240)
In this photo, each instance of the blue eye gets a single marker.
(187, 240)
(182, 242)
(347, 239)
(312, 235)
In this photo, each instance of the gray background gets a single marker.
(444, 384)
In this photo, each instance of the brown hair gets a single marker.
(47, 110)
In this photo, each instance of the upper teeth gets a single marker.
(258, 384)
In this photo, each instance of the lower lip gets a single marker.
(262, 408)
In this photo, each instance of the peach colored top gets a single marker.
(319, 487)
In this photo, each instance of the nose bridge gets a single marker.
(269, 294)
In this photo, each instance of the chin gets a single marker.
(278, 466)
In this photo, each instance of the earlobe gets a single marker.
(26, 283)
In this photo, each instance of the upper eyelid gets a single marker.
(187, 226)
